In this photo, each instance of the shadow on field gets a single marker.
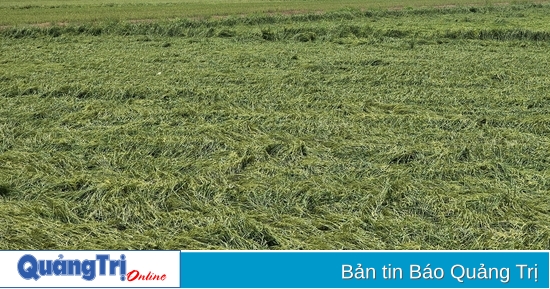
(4, 191)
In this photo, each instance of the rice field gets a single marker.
(423, 127)
(56, 12)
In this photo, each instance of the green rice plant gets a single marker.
(350, 129)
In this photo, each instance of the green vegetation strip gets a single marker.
(47, 12)
(413, 129)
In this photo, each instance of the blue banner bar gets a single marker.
(364, 269)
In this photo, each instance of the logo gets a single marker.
(31, 268)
